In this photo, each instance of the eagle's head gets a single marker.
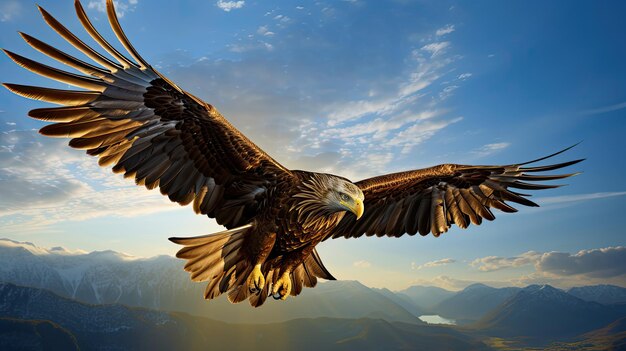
(343, 195)
(325, 197)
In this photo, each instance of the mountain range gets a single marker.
(105, 277)
(35, 316)
(542, 312)
(473, 302)
(605, 294)
(161, 292)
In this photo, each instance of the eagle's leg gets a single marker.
(282, 288)
(262, 249)
(256, 280)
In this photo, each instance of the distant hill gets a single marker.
(17, 334)
(473, 302)
(544, 313)
(122, 328)
(426, 297)
(604, 294)
(609, 338)
(401, 300)
(160, 283)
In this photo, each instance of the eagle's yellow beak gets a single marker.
(358, 208)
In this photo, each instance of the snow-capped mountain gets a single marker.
(97, 277)
(105, 277)
(540, 311)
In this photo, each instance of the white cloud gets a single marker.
(40, 251)
(593, 263)
(436, 263)
(121, 7)
(495, 263)
(489, 149)
(43, 182)
(570, 199)
(436, 49)
(282, 18)
(597, 263)
(313, 123)
(263, 30)
(9, 10)
(362, 264)
(259, 45)
(395, 120)
(604, 109)
(464, 76)
(228, 6)
(445, 30)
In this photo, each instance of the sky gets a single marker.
(356, 88)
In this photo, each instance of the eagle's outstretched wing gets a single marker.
(132, 117)
(430, 200)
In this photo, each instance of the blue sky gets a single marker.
(357, 88)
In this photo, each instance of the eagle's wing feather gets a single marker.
(132, 117)
(430, 200)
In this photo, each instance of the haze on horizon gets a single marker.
(357, 88)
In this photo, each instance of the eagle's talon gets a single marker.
(256, 280)
(282, 287)
(276, 296)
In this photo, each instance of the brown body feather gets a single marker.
(133, 118)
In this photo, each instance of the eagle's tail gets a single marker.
(217, 258)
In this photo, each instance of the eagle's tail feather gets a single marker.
(217, 258)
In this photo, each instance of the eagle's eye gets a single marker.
(344, 197)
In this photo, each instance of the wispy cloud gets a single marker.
(9, 10)
(264, 30)
(495, 263)
(445, 30)
(492, 148)
(326, 120)
(579, 197)
(604, 109)
(436, 263)
(121, 6)
(228, 6)
(436, 49)
(43, 182)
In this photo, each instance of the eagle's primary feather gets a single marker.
(132, 117)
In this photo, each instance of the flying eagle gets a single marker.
(132, 117)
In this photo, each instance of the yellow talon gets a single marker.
(256, 280)
(282, 286)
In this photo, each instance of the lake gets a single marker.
(436, 319)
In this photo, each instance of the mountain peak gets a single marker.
(477, 286)
(541, 287)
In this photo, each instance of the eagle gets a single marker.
(145, 126)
